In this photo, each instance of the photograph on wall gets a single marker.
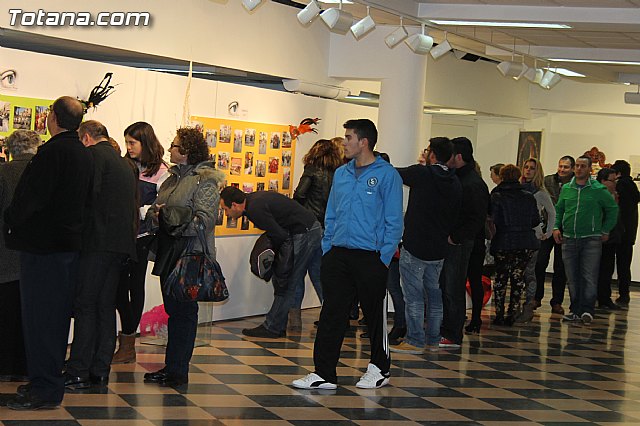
(245, 223)
(260, 186)
(232, 222)
(247, 187)
(286, 140)
(273, 185)
(262, 143)
(261, 168)
(5, 112)
(3, 153)
(236, 166)
(211, 137)
(220, 217)
(225, 133)
(286, 158)
(40, 125)
(250, 137)
(529, 144)
(248, 163)
(273, 164)
(223, 160)
(235, 185)
(275, 141)
(286, 178)
(237, 141)
(21, 118)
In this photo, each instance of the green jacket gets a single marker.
(585, 212)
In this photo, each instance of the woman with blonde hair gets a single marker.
(533, 181)
(324, 157)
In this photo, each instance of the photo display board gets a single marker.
(18, 113)
(254, 156)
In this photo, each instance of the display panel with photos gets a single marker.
(254, 156)
(18, 113)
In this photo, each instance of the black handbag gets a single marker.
(196, 277)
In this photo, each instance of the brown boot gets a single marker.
(126, 352)
(295, 320)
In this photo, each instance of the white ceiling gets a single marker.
(600, 29)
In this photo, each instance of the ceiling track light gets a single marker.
(337, 20)
(363, 26)
(441, 49)
(534, 74)
(397, 36)
(309, 13)
(251, 4)
(632, 97)
(420, 43)
(549, 79)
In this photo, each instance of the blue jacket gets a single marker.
(365, 212)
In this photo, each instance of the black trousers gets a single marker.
(94, 307)
(624, 254)
(453, 285)
(47, 284)
(559, 280)
(130, 293)
(13, 360)
(346, 273)
(474, 274)
(607, 266)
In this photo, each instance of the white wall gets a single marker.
(158, 98)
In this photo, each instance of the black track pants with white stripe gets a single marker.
(344, 274)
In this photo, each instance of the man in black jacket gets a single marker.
(289, 226)
(110, 238)
(435, 196)
(629, 197)
(45, 222)
(471, 220)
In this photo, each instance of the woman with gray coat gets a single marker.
(21, 145)
(194, 183)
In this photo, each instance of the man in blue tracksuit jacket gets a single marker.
(363, 226)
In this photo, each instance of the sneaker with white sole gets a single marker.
(373, 378)
(570, 317)
(446, 343)
(406, 348)
(586, 318)
(313, 381)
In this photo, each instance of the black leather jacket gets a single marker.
(313, 190)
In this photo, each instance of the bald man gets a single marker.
(44, 223)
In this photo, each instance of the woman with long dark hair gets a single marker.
(193, 182)
(324, 157)
(145, 151)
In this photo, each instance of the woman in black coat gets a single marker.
(515, 215)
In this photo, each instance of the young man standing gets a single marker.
(363, 225)
(585, 214)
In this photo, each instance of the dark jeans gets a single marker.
(559, 280)
(94, 327)
(47, 284)
(130, 293)
(582, 262)
(304, 246)
(182, 327)
(624, 254)
(453, 280)
(13, 360)
(347, 273)
(474, 274)
(395, 291)
(313, 268)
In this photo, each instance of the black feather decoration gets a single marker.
(99, 93)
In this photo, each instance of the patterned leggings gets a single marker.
(510, 265)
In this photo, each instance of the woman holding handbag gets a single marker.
(186, 207)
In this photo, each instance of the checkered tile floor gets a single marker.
(546, 372)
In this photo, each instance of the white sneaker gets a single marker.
(313, 381)
(586, 318)
(373, 378)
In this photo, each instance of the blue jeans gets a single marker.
(304, 246)
(420, 278)
(313, 268)
(581, 258)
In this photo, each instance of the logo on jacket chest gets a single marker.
(372, 182)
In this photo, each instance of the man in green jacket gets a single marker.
(585, 214)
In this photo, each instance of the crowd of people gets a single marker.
(81, 222)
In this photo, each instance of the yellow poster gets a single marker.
(18, 113)
(255, 157)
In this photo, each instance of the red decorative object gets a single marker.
(598, 157)
(304, 127)
(486, 287)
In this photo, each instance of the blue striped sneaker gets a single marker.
(313, 381)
